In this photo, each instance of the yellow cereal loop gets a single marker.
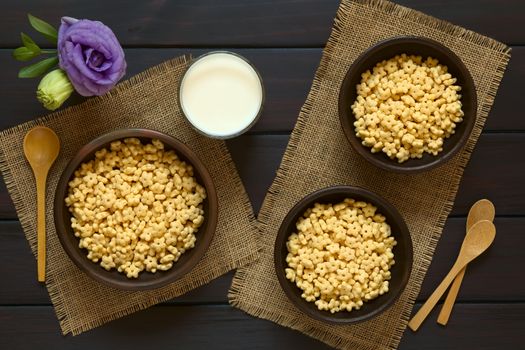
(340, 255)
(407, 106)
(135, 207)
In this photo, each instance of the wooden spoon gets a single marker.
(41, 147)
(481, 210)
(478, 239)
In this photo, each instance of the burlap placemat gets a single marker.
(148, 100)
(318, 155)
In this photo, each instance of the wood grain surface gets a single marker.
(473, 326)
(253, 23)
(284, 39)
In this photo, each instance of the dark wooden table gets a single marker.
(284, 39)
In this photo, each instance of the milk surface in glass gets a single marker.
(221, 94)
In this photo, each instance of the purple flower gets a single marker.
(91, 55)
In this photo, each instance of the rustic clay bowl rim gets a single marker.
(387, 49)
(403, 255)
(146, 280)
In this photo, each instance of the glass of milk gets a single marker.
(221, 94)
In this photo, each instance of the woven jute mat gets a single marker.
(148, 100)
(318, 155)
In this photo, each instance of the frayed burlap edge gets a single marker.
(402, 12)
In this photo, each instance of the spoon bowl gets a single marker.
(41, 147)
(477, 240)
(481, 210)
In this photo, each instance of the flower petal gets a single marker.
(91, 55)
(77, 59)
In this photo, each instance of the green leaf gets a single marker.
(38, 68)
(28, 51)
(24, 54)
(44, 28)
(28, 42)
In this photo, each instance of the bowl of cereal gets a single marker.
(407, 104)
(343, 255)
(135, 209)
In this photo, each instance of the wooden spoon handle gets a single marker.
(41, 226)
(423, 312)
(444, 314)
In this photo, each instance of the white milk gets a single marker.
(221, 95)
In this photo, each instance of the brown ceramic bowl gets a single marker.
(412, 46)
(402, 254)
(146, 280)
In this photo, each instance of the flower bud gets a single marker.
(54, 89)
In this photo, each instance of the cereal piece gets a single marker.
(123, 208)
(340, 255)
(407, 106)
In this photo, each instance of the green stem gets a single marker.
(48, 51)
